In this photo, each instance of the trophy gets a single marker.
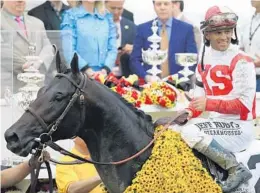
(154, 56)
(186, 60)
(31, 77)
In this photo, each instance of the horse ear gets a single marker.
(60, 67)
(74, 64)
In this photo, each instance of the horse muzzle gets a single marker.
(21, 146)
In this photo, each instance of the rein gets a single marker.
(45, 139)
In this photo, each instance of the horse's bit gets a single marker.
(45, 139)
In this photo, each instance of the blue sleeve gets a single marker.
(136, 55)
(69, 38)
(112, 48)
(191, 46)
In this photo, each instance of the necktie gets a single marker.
(21, 24)
(164, 46)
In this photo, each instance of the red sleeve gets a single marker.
(195, 113)
(234, 106)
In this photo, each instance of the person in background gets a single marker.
(88, 30)
(14, 175)
(250, 40)
(26, 31)
(128, 15)
(80, 178)
(176, 37)
(50, 13)
(72, 3)
(178, 7)
(126, 31)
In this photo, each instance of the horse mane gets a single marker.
(138, 112)
(132, 107)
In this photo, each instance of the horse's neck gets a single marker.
(120, 131)
(119, 139)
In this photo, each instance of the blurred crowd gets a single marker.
(111, 42)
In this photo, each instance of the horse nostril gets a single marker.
(12, 137)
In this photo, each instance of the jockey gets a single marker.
(225, 88)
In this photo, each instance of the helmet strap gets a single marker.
(235, 40)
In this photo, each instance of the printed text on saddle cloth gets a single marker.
(219, 128)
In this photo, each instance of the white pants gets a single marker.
(233, 135)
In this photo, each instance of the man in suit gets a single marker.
(178, 7)
(50, 13)
(128, 15)
(23, 33)
(126, 31)
(177, 37)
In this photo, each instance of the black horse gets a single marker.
(112, 128)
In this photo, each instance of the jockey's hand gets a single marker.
(199, 103)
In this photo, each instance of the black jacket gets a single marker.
(128, 15)
(128, 31)
(47, 15)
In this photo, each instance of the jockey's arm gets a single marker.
(244, 84)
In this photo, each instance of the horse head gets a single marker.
(73, 105)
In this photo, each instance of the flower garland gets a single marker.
(172, 167)
(157, 93)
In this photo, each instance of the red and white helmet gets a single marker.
(217, 18)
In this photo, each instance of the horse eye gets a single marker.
(59, 96)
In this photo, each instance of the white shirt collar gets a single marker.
(179, 16)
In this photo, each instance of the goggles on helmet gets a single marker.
(224, 20)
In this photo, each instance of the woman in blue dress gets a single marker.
(88, 30)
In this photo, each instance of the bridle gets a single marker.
(45, 139)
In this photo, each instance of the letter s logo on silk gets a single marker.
(219, 74)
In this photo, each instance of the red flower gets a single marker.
(171, 97)
(148, 101)
(161, 101)
(138, 104)
(134, 95)
(120, 90)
